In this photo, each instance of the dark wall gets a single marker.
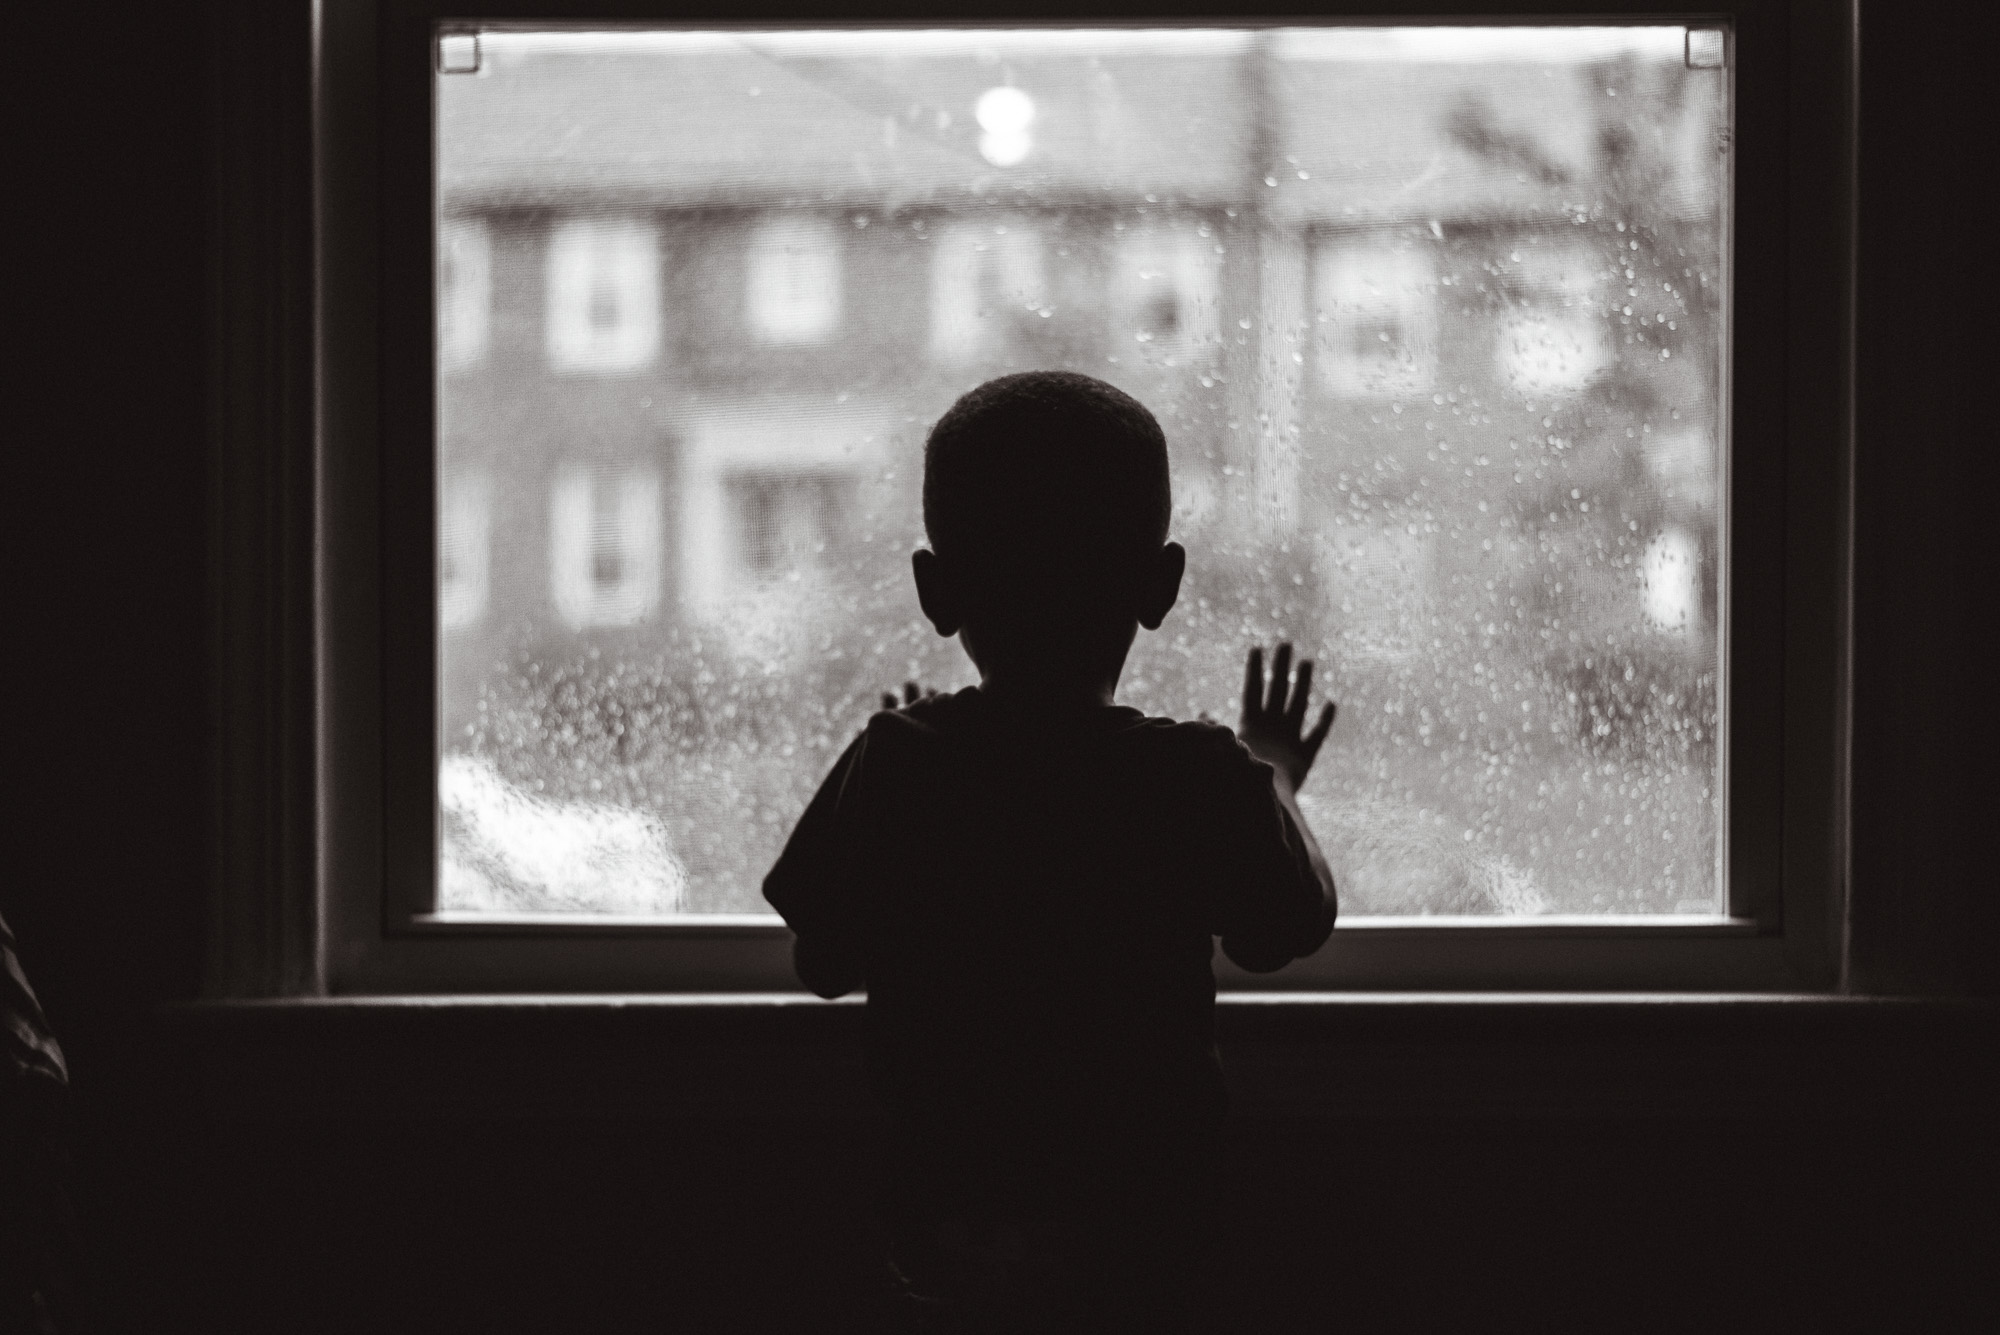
(1924, 571)
(105, 503)
(202, 1220)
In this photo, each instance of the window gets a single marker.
(794, 280)
(1169, 288)
(1378, 318)
(1551, 342)
(774, 500)
(604, 546)
(603, 295)
(465, 292)
(987, 286)
(1447, 332)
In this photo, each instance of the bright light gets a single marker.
(1004, 114)
(1668, 580)
(1553, 352)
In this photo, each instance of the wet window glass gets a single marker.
(1435, 320)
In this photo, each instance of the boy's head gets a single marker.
(1046, 501)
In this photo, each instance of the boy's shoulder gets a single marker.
(967, 715)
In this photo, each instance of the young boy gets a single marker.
(1028, 881)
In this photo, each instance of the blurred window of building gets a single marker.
(465, 539)
(794, 279)
(1167, 280)
(1376, 312)
(603, 294)
(1553, 340)
(1670, 576)
(988, 281)
(772, 526)
(605, 546)
(786, 524)
(465, 292)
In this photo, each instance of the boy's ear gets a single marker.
(935, 593)
(1162, 585)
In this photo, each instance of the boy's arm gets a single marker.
(1297, 919)
(828, 968)
(1267, 951)
(815, 889)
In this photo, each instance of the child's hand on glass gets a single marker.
(911, 694)
(1274, 716)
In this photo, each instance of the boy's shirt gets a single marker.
(1033, 902)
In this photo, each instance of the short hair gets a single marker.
(1047, 463)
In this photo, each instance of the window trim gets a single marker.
(1786, 820)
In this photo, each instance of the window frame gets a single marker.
(1785, 604)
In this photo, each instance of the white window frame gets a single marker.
(1168, 257)
(793, 279)
(1557, 317)
(591, 508)
(1358, 286)
(982, 273)
(465, 299)
(597, 256)
(797, 435)
(371, 940)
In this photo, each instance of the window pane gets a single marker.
(1435, 320)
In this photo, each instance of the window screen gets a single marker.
(1435, 320)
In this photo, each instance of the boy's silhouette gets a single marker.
(1028, 881)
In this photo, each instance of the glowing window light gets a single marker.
(1669, 581)
(1004, 115)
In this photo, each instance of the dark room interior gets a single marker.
(246, 1157)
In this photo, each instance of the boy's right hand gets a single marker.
(1274, 716)
(911, 694)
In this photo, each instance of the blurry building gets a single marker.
(698, 303)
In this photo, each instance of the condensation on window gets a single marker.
(1434, 319)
